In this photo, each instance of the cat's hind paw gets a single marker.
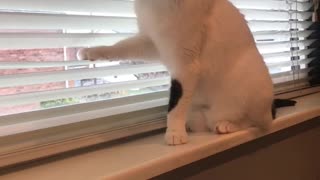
(225, 127)
(176, 137)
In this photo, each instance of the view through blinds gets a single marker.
(39, 41)
(38, 45)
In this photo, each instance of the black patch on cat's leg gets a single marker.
(175, 94)
(273, 111)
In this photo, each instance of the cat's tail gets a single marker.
(278, 103)
(264, 123)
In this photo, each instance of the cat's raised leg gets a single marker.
(138, 47)
(183, 85)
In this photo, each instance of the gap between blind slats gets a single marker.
(77, 74)
(58, 40)
(119, 8)
(20, 99)
(32, 21)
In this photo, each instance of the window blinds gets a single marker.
(50, 33)
(286, 37)
(38, 41)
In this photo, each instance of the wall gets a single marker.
(292, 154)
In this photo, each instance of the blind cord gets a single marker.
(294, 38)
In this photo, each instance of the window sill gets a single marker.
(148, 157)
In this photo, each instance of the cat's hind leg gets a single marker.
(229, 126)
(138, 47)
(225, 127)
(196, 121)
(224, 123)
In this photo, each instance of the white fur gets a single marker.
(207, 46)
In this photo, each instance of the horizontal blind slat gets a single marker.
(268, 15)
(59, 40)
(289, 85)
(78, 74)
(111, 107)
(7, 65)
(84, 107)
(289, 63)
(19, 99)
(277, 25)
(272, 4)
(265, 36)
(46, 40)
(274, 47)
(289, 73)
(285, 56)
(37, 21)
(97, 6)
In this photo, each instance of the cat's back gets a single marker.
(172, 12)
(231, 59)
(226, 24)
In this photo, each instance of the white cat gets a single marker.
(220, 82)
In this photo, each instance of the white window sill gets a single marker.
(148, 157)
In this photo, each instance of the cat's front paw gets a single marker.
(176, 137)
(88, 54)
(82, 54)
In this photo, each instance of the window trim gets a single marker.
(79, 135)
